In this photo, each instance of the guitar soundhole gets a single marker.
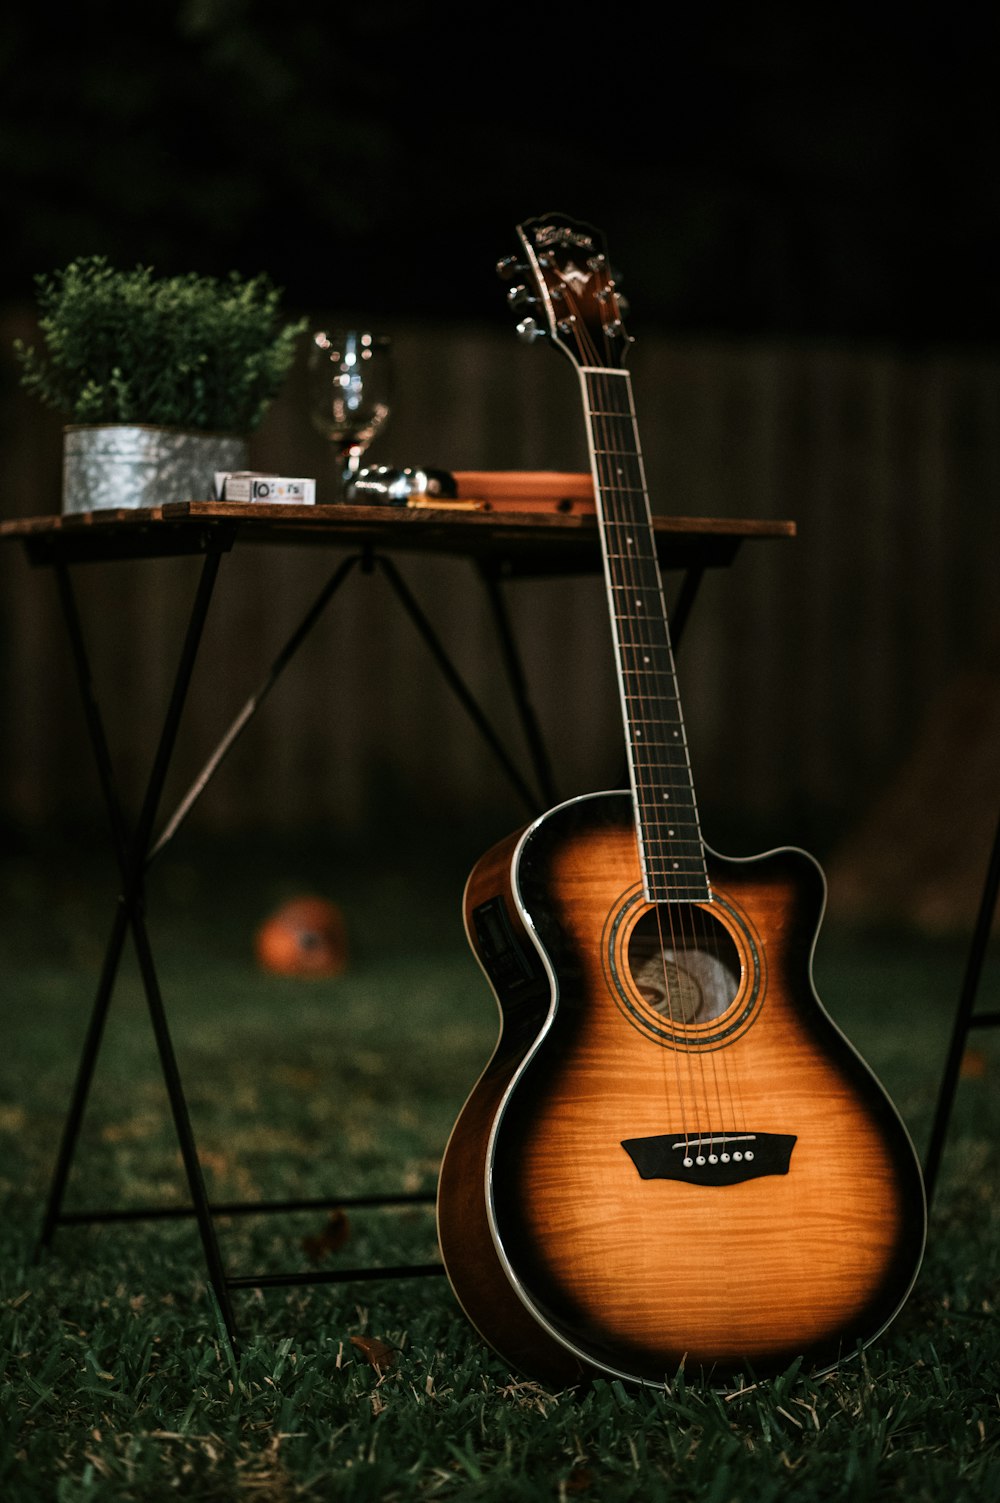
(683, 963)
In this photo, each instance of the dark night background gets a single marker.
(804, 203)
(759, 170)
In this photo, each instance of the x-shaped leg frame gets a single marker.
(135, 851)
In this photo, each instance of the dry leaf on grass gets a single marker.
(974, 1065)
(320, 1245)
(378, 1353)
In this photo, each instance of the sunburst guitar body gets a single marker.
(674, 1157)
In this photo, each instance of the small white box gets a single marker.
(247, 485)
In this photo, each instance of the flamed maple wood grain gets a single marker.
(637, 1275)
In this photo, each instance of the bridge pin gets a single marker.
(700, 1159)
(748, 1155)
(737, 1157)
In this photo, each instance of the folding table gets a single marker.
(500, 545)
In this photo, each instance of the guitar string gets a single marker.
(625, 439)
(626, 535)
(694, 922)
(626, 564)
(628, 538)
(596, 386)
(699, 927)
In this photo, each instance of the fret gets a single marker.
(668, 852)
(630, 526)
(615, 496)
(636, 643)
(661, 818)
(652, 690)
(649, 710)
(664, 889)
(647, 744)
(652, 796)
(669, 831)
(665, 791)
(648, 680)
(637, 522)
(640, 565)
(669, 805)
(690, 869)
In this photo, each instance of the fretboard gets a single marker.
(666, 814)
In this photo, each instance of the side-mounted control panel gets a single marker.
(510, 964)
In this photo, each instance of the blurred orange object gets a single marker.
(304, 937)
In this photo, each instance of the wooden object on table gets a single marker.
(526, 490)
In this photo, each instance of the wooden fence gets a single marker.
(810, 670)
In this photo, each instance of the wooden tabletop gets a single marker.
(508, 542)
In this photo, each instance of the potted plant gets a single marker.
(162, 378)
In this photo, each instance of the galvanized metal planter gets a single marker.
(137, 465)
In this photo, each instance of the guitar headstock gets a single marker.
(563, 287)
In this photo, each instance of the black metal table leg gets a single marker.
(134, 855)
(131, 855)
(252, 705)
(455, 680)
(965, 1016)
(519, 687)
(690, 586)
(84, 1076)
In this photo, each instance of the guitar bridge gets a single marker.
(723, 1158)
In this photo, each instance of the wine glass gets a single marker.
(350, 388)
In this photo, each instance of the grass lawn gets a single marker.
(116, 1383)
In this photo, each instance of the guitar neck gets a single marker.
(669, 835)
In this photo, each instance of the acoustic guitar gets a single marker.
(673, 1156)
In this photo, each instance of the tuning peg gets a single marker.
(510, 266)
(519, 296)
(623, 305)
(528, 331)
